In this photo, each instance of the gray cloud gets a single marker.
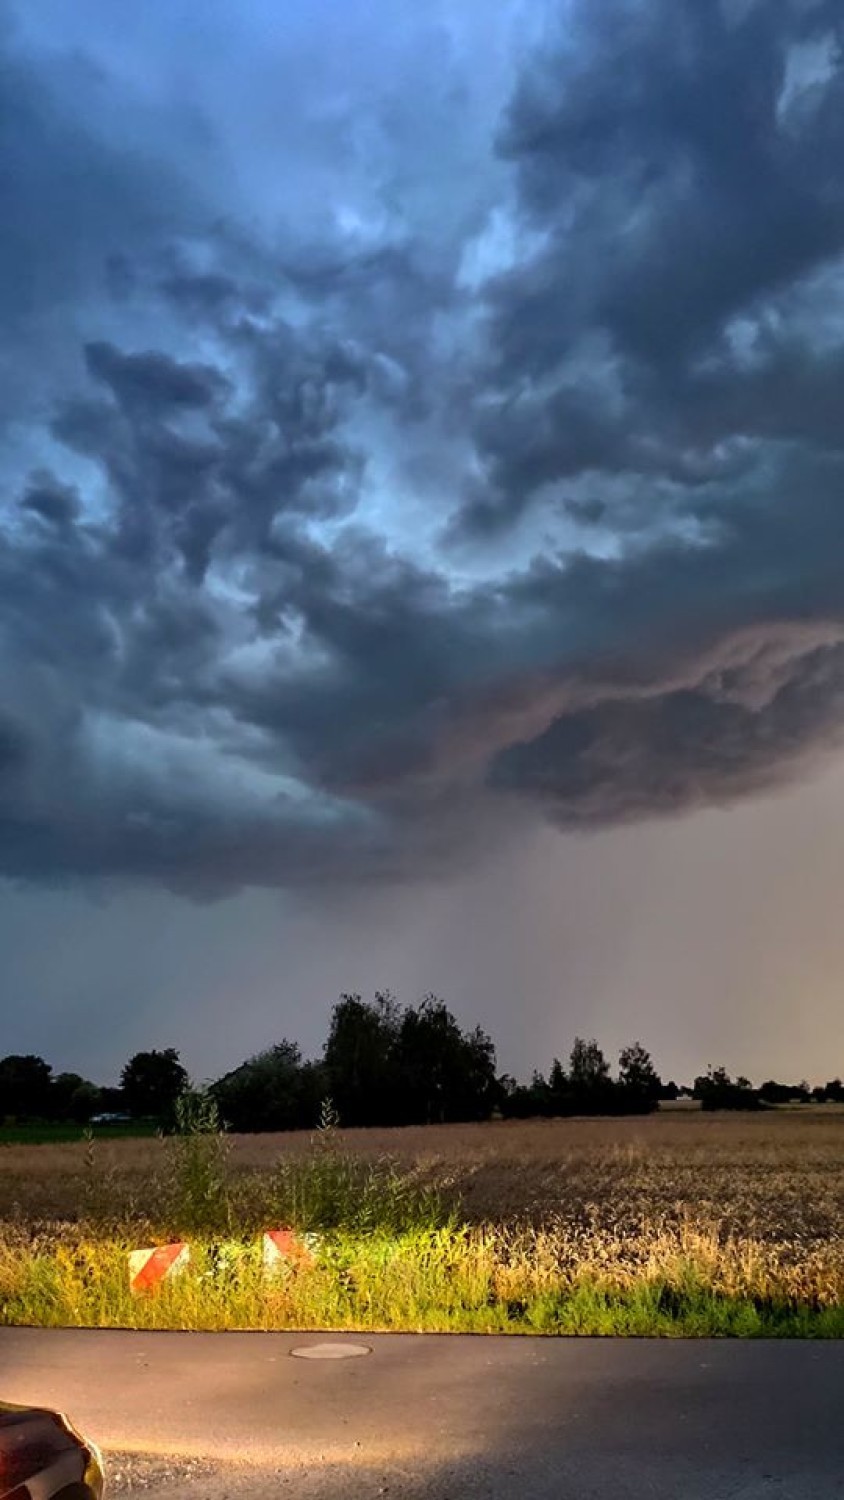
(735, 730)
(77, 187)
(674, 184)
(151, 382)
(667, 126)
(238, 645)
(54, 503)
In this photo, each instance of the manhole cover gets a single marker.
(330, 1351)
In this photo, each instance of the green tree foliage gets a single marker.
(586, 1087)
(588, 1068)
(24, 1087)
(590, 1088)
(443, 1074)
(518, 1101)
(152, 1082)
(62, 1089)
(85, 1101)
(771, 1092)
(717, 1090)
(360, 1057)
(272, 1091)
(638, 1079)
(72, 1097)
(387, 1065)
(558, 1081)
(384, 1064)
(482, 1092)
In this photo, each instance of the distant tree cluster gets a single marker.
(384, 1064)
(586, 1087)
(717, 1090)
(149, 1085)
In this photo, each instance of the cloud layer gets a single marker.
(488, 460)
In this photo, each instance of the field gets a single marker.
(675, 1223)
(53, 1134)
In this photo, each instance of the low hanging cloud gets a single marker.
(323, 558)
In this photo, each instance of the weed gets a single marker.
(330, 1189)
(195, 1184)
(329, 1120)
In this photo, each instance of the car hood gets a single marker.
(35, 1441)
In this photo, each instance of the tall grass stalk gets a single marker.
(195, 1184)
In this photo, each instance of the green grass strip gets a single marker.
(436, 1281)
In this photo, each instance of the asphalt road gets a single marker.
(233, 1415)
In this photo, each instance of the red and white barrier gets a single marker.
(283, 1248)
(149, 1268)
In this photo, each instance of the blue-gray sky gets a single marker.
(421, 530)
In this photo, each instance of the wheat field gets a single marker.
(778, 1176)
(679, 1223)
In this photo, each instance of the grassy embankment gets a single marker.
(673, 1228)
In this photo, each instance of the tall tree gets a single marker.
(482, 1092)
(24, 1087)
(152, 1082)
(264, 1093)
(360, 1058)
(559, 1101)
(589, 1077)
(588, 1067)
(443, 1074)
(638, 1079)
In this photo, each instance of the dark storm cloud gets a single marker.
(205, 293)
(56, 504)
(662, 130)
(735, 730)
(76, 188)
(234, 650)
(13, 748)
(607, 669)
(675, 183)
(151, 382)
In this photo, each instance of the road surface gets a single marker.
(220, 1416)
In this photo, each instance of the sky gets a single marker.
(421, 525)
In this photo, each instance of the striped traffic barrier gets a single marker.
(149, 1268)
(284, 1248)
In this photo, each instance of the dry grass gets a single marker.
(479, 1280)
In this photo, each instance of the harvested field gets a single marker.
(778, 1176)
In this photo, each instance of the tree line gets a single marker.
(383, 1064)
